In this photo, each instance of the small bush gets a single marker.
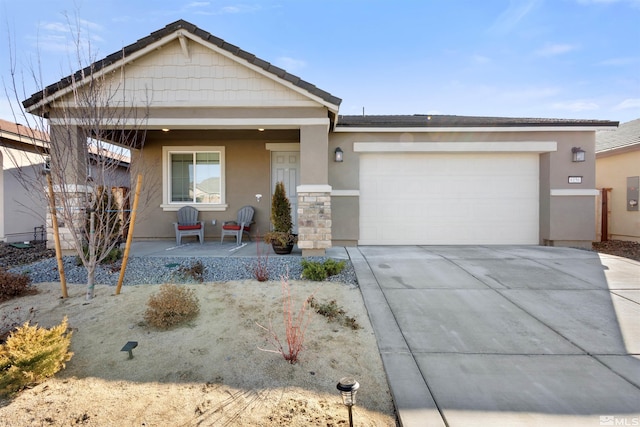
(11, 321)
(316, 271)
(191, 273)
(31, 355)
(14, 285)
(172, 306)
(333, 267)
(334, 313)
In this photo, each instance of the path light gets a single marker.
(348, 387)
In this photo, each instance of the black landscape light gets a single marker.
(348, 387)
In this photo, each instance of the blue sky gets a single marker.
(512, 58)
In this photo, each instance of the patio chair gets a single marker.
(188, 224)
(239, 227)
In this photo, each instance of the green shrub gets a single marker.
(333, 267)
(172, 306)
(316, 271)
(31, 355)
(14, 285)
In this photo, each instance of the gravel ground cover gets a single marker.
(41, 265)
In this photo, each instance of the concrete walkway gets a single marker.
(505, 336)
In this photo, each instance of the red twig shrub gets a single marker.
(260, 267)
(295, 326)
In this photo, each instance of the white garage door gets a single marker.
(444, 199)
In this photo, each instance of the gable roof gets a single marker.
(626, 136)
(169, 29)
(417, 121)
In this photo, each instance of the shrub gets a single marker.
(31, 355)
(14, 285)
(11, 321)
(191, 273)
(295, 326)
(334, 313)
(333, 267)
(316, 271)
(172, 306)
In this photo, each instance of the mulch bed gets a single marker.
(620, 248)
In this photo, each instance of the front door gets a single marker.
(285, 167)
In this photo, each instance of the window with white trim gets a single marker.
(193, 176)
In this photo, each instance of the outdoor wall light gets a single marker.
(348, 387)
(578, 154)
(338, 153)
(258, 197)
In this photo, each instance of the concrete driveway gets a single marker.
(505, 335)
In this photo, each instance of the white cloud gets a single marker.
(628, 104)
(290, 64)
(511, 17)
(555, 49)
(198, 4)
(576, 106)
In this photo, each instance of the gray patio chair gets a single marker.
(239, 227)
(188, 224)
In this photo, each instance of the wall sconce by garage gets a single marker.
(258, 197)
(348, 387)
(338, 154)
(578, 154)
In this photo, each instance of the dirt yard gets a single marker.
(210, 372)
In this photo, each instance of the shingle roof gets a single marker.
(627, 135)
(436, 121)
(18, 130)
(169, 29)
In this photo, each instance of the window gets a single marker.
(193, 176)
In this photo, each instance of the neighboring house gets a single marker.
(24, 209)
(618, 177)
(225, 126)
(22, 154)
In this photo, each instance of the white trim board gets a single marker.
(456, 147)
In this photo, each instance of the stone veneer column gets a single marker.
(314, 219)
(77, 199)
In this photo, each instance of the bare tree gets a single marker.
(88, 125)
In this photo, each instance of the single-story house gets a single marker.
(224, 126)
(22, 156)
(618, 177)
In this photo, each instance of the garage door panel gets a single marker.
(422, 198)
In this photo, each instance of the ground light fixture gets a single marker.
(348, 387)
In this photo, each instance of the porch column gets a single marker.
(69, 177)
(314, 193)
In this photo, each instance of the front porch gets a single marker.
(215, 249)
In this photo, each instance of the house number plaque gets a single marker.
(575, 180)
